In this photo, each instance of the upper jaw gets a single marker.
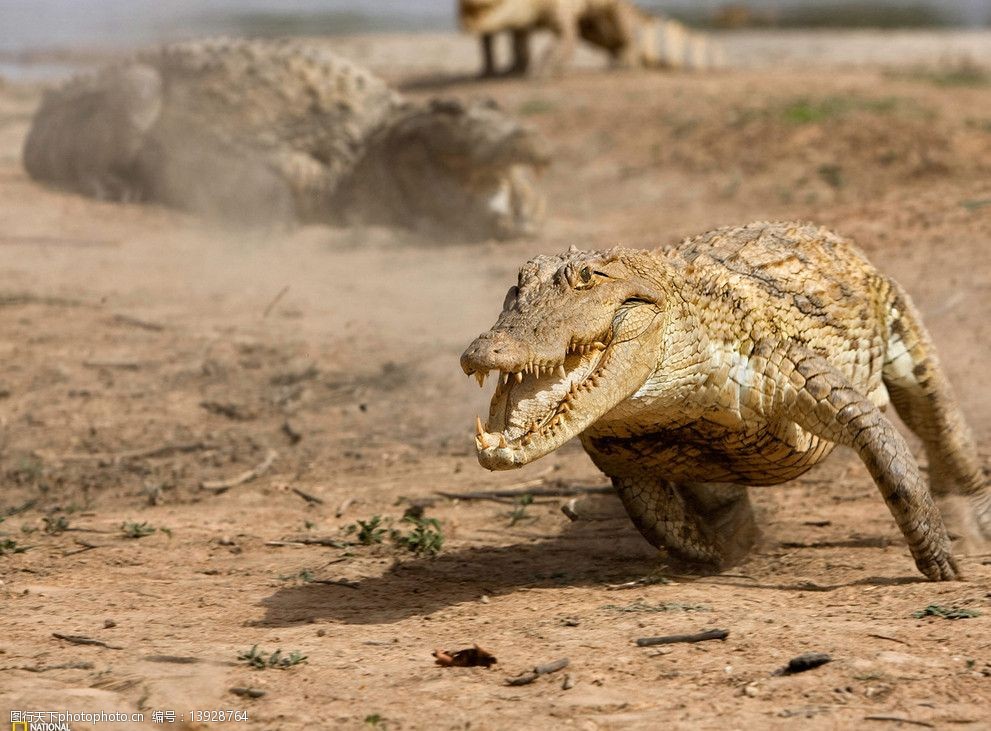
(536, 409)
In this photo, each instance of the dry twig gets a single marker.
(524, 488)
(80, 640)
(709, 634)
(545, 669)
(219, 486)
(900, 719)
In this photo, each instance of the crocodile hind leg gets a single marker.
(820, 399)
(924, 400)
(703, 523)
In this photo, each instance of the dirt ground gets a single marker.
(149, 355)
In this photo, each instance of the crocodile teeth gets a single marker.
(561, 372)
(480, 377)
(505, 377)
(599, 345)
(485, 440)
(519, 377)
(479, 429)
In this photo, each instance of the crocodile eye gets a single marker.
(585, 274)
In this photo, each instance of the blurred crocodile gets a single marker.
(632, 37)
(738, 358)
(285, 132)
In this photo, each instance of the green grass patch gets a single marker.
(536, 106)
(937, 610)
(136, 530)
(261, 660)
(805, 110)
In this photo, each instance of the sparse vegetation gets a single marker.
(536, 106)
(426, 538)
(937, 610)
(814, 111)
(964, 72)
(10, 546)
(260, 660)
(305, 576)
(136, 530)
(55, 524)
(519, 512)
(369, 531)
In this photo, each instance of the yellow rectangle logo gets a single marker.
(18, 726)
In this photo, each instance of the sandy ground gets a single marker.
(148, 355)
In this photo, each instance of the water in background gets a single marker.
(31, 30)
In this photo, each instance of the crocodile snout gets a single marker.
(495, 350)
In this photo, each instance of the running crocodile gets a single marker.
(738, 358)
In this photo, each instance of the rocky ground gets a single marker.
(209, 438)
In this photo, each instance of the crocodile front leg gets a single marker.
(820, 399)
(698, 523)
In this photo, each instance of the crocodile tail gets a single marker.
(923, 397)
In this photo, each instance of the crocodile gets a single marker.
(737, 358)
(282, 132)
(631, 37)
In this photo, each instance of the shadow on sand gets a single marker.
(583, 554)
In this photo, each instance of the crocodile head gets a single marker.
(458, 168)
(578, 335)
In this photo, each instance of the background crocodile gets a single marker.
(631, 36)
(741, 357)
(285, 131)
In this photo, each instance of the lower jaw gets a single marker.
(501, 458)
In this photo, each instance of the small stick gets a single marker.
(311, 499)
(899, 719)
(138, 323)
(57, 241)
(80, 640)
(343, 507)
(503, 495)
(63, 666)
(709, 634)
(123, 365)
(275, 301)
(885, 637)
(219, 486)
(178, 659)
(86, 546)
(546, 668)
(146, 453)
(22, 508)
(13, 300)
(309, 541)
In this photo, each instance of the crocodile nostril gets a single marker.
(497, 350)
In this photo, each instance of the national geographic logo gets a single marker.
(19, 726)
(39, 726)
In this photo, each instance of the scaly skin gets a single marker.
(631, 37)
(738, 358)
(280, 132)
